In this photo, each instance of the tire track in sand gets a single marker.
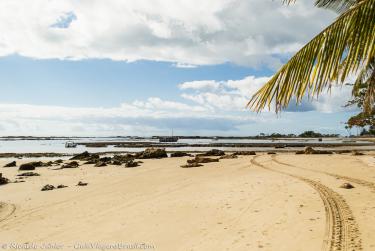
(6, 210)
(342, 232)
(365, 183)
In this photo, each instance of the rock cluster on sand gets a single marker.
(190, 165)
(28, 174)
(310, 150)
(197, 161)
(72, 164)
(229, 156)
(32, 165)
(11, 164)
(180, 154)
(152, 153)
(3, 180)
(213, 152)
(245, 153)
(81, 184)
(131, 163)
(48, 187)
(356, 153)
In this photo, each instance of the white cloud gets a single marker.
(233, 95)
(187, 32)
(198, 85)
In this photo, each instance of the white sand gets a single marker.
(266, 203)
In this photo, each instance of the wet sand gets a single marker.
(263, 202)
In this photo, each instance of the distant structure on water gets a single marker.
(70, 144)
(168, 139)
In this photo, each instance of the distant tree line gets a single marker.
(306, 134)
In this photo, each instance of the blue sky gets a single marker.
(135, 68)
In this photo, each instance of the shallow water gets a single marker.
(58, 145)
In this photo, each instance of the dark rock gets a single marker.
(116, 163)
(153, 153)
(28, 174)
(229, 156)
(356, 153)
(3, 180)
(309, 150)
(347, 186)
(105, 159)
(82, 184)
(131, 163)
(82, 156)
(11, 164)
(190, 165)
(73, 164)
(271, 153)
(180, 154)
(27, 167)
(213, 152)
(100, 164)
(61, 186)
(48, 187)
(245, 153)
(199, 159)
(59, 161)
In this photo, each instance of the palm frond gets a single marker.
(344, 47)
(337, 5)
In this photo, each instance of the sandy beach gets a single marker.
(262, 202)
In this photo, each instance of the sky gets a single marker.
(121, 67)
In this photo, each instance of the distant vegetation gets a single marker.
(306, 134)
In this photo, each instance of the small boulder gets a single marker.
(48, 187)
(73, 164)
(154, 153)
(61, 186)
(245, 153)
(11, 164)
(82, 184)
(81, 156)
(271, 153)
(190, 165)
(3, 180)
(347, 186)
(180, 154)
(309, 150)
(28, 174)
(356, 153)
(199, 159)
(229, 156)
(214, 152)
(100, 164)
(27, 167)
(131, 163)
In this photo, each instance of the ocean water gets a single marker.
(58, 145)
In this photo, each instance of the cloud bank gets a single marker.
(245, 32)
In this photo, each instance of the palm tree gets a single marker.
(345, 47)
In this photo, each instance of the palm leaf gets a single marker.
(337, 5)
(344, 47)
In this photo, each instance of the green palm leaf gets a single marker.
(344, 47)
